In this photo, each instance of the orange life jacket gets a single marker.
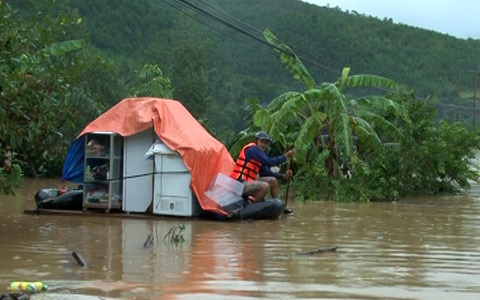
(246, 170)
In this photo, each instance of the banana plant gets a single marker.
(325, 118)
(28, 61)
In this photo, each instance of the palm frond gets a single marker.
(308, 132)
(383, 103)
(314, 98)
(289, 109)
(344, 77)
(367, 80)
(333, 99)
(290, 60)
(290, 100)
(261, 119)
(380, 122)
(278, 134)
(366, 133)
(287, 113)
(330, 92)
(252, 105)
(343, 134)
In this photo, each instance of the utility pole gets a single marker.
(458, 89)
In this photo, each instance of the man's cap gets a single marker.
(262, 135)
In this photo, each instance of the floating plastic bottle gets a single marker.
(30, 287)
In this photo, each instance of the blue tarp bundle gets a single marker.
(73, 166)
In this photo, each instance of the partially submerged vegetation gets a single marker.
(381, 143)
(374, 147)
(49, 78)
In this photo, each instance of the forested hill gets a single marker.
(63, 63)
(215, 54)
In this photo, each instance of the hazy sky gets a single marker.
(460, 18)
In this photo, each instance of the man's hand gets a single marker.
(290, 153)
(288, 174)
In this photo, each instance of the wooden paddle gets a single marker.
(286, 209)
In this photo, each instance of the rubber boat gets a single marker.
(269, 209)
(50, 198)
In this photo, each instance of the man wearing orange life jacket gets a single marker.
(252, 162)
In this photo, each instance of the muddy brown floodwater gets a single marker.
(419, 248)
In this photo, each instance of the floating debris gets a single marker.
(79, 258)
(148, 242)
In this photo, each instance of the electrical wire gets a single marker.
(303, 55)
(215, 30)
(260, 40)
(306, 56)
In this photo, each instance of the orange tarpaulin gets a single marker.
(203, 155)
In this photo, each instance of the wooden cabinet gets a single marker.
(103, 171)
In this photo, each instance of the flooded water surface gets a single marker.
(425, 248)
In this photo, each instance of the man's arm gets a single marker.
(265, 160)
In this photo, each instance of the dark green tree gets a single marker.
(151, 83)
(188, 78)
(41, 96)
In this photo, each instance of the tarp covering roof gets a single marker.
(203, 155)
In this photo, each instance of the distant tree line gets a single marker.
(64, 63)
(213, 66)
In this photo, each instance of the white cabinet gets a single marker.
(103, 171)
(172, 193)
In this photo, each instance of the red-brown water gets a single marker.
(423, 248)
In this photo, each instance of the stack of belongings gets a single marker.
(226, 192)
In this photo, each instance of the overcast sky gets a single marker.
(460, 18)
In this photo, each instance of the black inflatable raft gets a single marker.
(49, 199)
(269, 209)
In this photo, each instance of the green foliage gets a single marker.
(214, 68)
(104, 82)
(253, 108)
(175, 234)
(436, 159)
(430, 159)
(50, 90)
(304, 118)
(151, 83)
(40, 97)
(189, 68)
(417, 157)
(313, 183)
(10, 178)
(290, 60)
(231, 68)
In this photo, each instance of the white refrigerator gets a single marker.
(137, 172)
(172, 193)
